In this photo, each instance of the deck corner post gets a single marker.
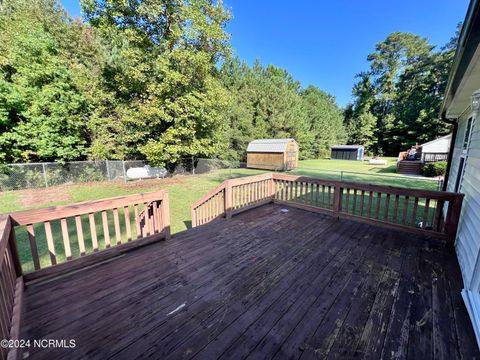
(14, 250)
(453, 217)
(194, 217)
(228, 199)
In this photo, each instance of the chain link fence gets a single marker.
(41, 175)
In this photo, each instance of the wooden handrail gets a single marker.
(57, 212)
(413, 210)
(79, 221)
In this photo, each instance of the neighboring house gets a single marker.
(272, 154)
(436, 150)
(461, 108)
(347, 152)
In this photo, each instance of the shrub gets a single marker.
(435, 169)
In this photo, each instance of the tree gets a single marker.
(402, 91)
(167, 100)
(268, 102)
(42, 110)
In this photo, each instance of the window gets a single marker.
(468, 130)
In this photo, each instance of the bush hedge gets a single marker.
(435, 169)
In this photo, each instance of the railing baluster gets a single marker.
(354, 207)
(414, 212)
(405, 208)
(93, 231)
(329, 197)
(81, 241)
(126, 213)
(116, 223)
(377, 207)
(66, 239)
(106, 231)
(395, 209)
(50, 243)
(33, 246)
(138, 228)
(426, 210)
(370, 202)
(362, 202)
(387, 207)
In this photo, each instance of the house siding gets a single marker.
(468, 237)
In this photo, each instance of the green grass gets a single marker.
(183, 191)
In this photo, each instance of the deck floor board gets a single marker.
(265, 284)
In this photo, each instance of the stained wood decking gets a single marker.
(265, 284)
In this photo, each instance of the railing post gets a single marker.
(228, 199)
(13, 249)
(453, 217)
(166, 216)
(337, 200)
(194, 217)
(271, 188)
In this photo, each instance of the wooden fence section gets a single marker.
(88, 229)
(434, 213)
(11, 287)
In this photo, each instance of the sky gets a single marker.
(326, 42)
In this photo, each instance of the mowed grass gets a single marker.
(183, 192)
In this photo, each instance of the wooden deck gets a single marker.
(264, 284)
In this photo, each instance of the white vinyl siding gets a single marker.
(468, 238)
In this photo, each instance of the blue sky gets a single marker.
(325, 43)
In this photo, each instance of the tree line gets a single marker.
(152, 80)
(157, 80)
(397, 101)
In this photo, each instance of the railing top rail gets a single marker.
(250, 179)
(58, 212)
(209, 195)
(433, 194)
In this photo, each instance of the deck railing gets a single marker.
(77, 235)
(434, 157)
(11, 287)
(433, 213)
(231, 197)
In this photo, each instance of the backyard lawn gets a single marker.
(184, 190)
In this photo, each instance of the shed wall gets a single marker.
(268, 161)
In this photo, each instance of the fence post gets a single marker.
(228, 199)
(107, 165)
(193, 166)
(45, 175)
(124, 172)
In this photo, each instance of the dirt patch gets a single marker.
(31, 198)
(38, 197)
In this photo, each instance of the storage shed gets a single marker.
(272, 154)
(347, 152)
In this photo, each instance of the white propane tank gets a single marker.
(146, 172)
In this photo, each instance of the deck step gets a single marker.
(409, 167)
